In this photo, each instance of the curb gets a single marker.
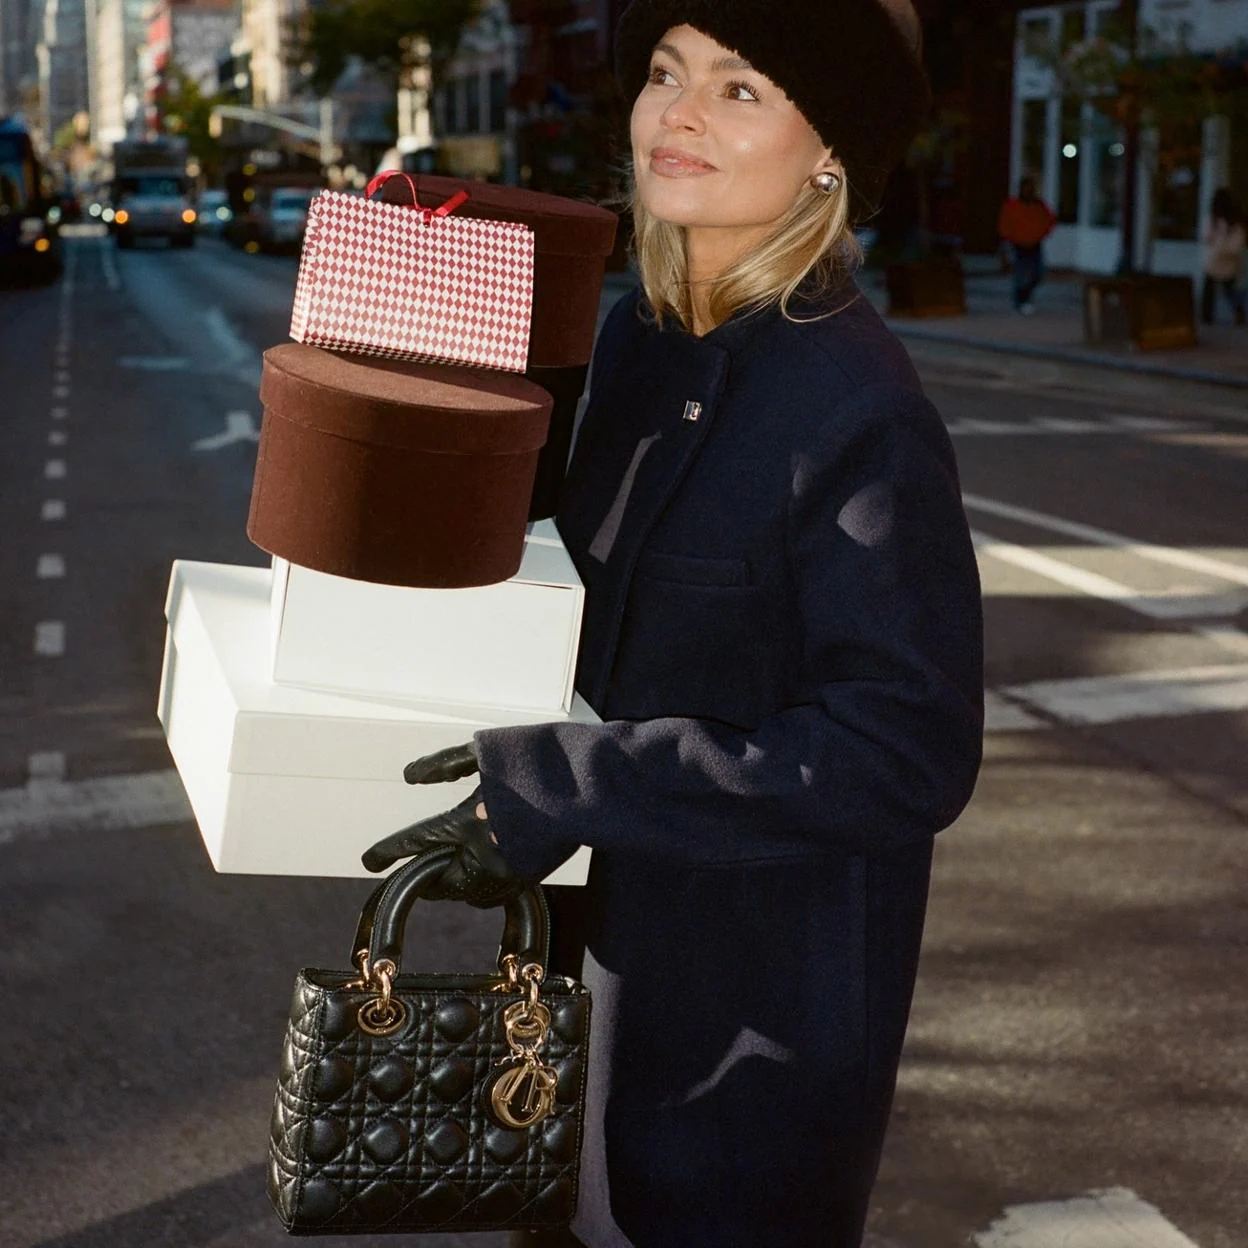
(1072, 356)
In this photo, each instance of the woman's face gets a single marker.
(715, 143)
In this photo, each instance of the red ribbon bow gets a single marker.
(429, 213)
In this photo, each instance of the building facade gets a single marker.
(116, 87)
(61, 60)
(1076, 150)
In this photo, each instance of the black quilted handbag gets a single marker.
(430, 1102)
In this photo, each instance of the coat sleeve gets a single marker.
(885, 747)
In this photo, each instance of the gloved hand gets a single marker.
(478, 874)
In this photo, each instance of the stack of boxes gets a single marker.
(419, 589)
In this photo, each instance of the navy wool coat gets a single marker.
(782, 636)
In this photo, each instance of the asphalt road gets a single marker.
(1080, 1022)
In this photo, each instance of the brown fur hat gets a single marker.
(853, 68)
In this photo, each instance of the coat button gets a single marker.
(692, 410)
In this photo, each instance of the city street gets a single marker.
(1080, 1025)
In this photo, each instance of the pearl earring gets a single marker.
(827, 182)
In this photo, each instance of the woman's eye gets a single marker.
(658, 73)
(742, 86)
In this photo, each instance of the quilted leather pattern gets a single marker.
(392, 1133)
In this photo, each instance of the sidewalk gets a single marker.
(1055, 332)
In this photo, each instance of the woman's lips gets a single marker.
(673, 165)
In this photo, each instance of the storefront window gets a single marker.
(498, 102)
(1106, 159)
(472, 86)
(1069, 160)
(1178, 181)
(1035, 134)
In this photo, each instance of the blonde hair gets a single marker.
(814, 238)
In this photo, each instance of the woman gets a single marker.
(1224, 241)
(781, 635)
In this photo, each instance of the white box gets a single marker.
(288, 781)
(510, 644)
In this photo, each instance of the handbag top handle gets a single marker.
(526, 932)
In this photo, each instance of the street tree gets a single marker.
(383, 34)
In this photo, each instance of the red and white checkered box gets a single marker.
(391, 280)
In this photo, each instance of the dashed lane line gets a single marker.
(54, 470)
(52, 509)
(50, 567)
(50, 638)
(110, 803)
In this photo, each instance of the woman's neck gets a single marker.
(709, 252)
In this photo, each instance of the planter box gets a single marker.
(510, 644)
(923, 288)
(288, 781)
(1149, 312)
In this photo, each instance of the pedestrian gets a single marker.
(782, 637)
(1025, 221)
(1224, 242)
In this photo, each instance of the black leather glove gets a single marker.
(479, 873)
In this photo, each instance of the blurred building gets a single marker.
(1076, 151)
(61, 60)
(189, 36)
(15, 17)
(120, 30)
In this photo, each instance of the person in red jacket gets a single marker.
(1025, 222)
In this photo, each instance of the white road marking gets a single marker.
(1138, 695)
(109, 264)
(111, 803)
(58, 437)
(60, 413)
(1156, 605)
(61, 378)
(1193, 562)
(54, 469)
(50, 567)
(60, 392)
(52, 509)
(1112, 1218)
(239, 427)
(155, 363)
(237, 357)
(1002, 715)
(1037, 426)
(50, 638)
(46, 767)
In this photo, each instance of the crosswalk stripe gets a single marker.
(1193, 561)
(1110, 1218)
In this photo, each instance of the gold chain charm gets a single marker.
(523, 1093)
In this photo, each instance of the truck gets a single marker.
(151, 193)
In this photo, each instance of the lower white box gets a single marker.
(509, 644)
(294, 781)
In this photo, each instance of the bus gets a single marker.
(30, 245)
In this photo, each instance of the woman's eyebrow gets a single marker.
(723, 62)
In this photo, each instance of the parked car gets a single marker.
(281, 216)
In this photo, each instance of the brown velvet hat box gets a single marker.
(571, 242)
(398, 473)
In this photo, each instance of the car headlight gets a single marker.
(54, 214)
(95, 210)
(188, 215)
(121, 216)
(224, 214)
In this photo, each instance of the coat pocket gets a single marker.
(693, 569)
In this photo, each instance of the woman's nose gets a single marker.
(684, 112)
